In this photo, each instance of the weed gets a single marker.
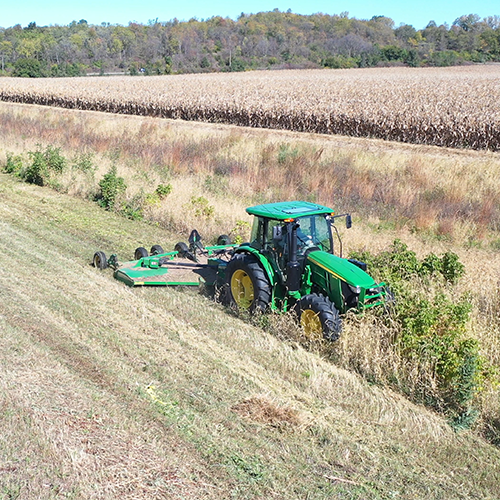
(431, 328)
(202, 208)
(45, 164)
(240, 231)
(84, 162)
(163, 190)
(286, 154)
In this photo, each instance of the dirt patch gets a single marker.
(262, 410)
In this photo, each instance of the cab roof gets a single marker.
(288, 210)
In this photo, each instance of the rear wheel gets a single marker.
(318, 317)
(156, 250)
(140, 253)
(100, 261)
(247, 284)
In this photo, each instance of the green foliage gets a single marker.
(163, 190)
(45, 166)
(287, 154)
(14, 164)
(84, 162)
(202, 208)
(298, 41)
(240, 231)
(431, 327)
(400, 263)
(111, 187)
(339, 62)
(28, 68)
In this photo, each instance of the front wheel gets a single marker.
(247, 284)
(318, 317)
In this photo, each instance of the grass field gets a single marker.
(454, 107)
(111, 392)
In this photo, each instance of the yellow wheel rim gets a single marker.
(242, 289)
(311, 324)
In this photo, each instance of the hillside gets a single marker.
(254, 41)
(110, 392)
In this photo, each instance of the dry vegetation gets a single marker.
(455, 107)
(110, 392)
(253, 406)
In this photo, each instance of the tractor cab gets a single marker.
(304, 225)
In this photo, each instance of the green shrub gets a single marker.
(111, 187)
(240, 231)
(431, 331)
(45, 166)
(163, 190)
(14, 164)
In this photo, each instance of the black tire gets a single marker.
(140, 253)
(319, 317)
(100, 261)
(224, 239)
(182, 248)
(246, 283)
(156, 250)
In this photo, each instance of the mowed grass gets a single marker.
(112, 392)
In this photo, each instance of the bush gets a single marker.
(202, 207)
(431, 333)
(163, 190)
(85, 163)
(45, 165)
(111, 187)
(14, 164)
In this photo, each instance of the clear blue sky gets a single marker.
(417, 13)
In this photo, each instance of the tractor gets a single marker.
(290, 264)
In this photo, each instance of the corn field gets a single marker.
(454, 107)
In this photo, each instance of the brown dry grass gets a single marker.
(451, 193)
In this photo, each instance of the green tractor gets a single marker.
(290, 264)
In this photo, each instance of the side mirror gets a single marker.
(348, 221)
(277, 233)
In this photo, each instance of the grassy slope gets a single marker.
(110, 392)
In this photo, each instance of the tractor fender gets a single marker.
(265, 263)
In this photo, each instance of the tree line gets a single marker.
(267, 40)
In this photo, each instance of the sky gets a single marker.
(62, 12)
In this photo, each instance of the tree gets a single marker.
(5, 51)
(28, 68)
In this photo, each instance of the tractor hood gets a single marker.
(342, 269)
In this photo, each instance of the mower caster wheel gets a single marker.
(156, 250)
(181, 248)
(140, 253)
(224, 239)
(100, 261)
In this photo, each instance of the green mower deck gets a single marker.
(165, 270)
